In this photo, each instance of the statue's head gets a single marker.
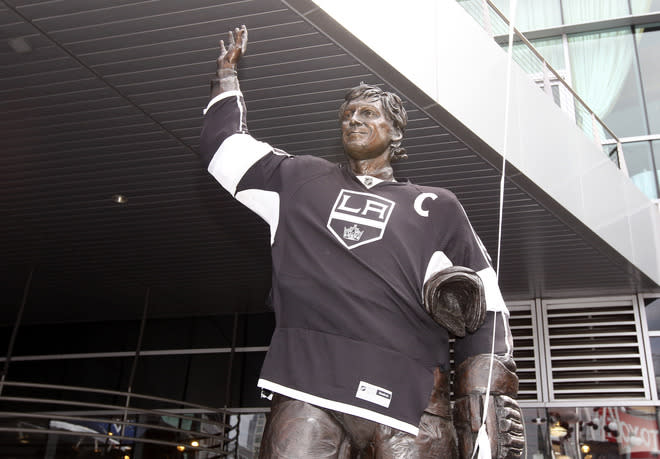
(383, 117)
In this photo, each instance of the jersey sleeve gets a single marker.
(247, 168)
(460, 246)
(482, 342)
(226, 147)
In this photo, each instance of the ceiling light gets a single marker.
(19, 45)
(181, 448)
(194, 443)
(119, 199)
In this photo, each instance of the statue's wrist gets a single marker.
(227, 80)
(226, 72)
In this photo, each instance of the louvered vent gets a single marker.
(522, 322)
(594, 350)
(525, 344)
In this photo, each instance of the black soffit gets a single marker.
(102, 102)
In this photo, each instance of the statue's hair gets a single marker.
(391, 104)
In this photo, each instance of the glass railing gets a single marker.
(549, 80)
(56, 421)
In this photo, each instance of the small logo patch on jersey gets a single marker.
(359, 218)
(374, 394)
(353, 233)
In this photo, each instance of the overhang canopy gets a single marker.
(101, 100)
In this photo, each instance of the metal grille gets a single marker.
(593, 349)
(525, 344)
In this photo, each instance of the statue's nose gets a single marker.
(354, 120)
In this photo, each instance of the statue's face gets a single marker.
(366, 130)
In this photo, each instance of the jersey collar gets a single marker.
(369, 181)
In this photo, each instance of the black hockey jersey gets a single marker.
(350, 258)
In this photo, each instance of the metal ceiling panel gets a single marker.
(108, 101)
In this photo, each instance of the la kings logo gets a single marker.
(359, 218)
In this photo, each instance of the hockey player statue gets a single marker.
(371, 276)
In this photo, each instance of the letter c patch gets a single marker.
(420, 199)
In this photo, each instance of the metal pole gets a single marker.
(14, 333)
(231, 359)
(622, 159)
(546, 79)
(594, 131)
(135, 360)
(225, 416)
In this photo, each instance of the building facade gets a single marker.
(152, 376)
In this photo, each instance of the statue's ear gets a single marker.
(397, 135)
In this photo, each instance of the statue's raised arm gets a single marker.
(227, 62)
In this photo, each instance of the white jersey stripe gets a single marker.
(494, 300)
(266, 204)
(234, 157)
(437, 263)
(221, 96)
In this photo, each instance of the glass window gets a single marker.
(617, 431)
(532, 14)
(640, 167)
(577, 11)
(655, 355)
(656, 157)
(73, 338)
(250, 431)
(552, 50)
(653, 314)
(644, 6)
(604, 75)
(648, 46)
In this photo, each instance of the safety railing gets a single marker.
(48, 417)
(552, 82)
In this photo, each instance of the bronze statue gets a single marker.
(370, 278)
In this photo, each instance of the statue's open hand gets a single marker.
(230, 55)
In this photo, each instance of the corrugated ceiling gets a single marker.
(108, 100)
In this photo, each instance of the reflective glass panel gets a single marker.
(77, 337)
(653, 314)
(532, 14)
(577, 11)
(640, 167)
(553, 52)
(605, 76)
(644, 6)
(655, 355)
(250, 430)
(656, 157)
(618, 431)
(648, 46)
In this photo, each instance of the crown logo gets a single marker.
(353, 233)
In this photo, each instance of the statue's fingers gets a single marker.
(511, 453)
(508, 412)
(244, 38)
(510, 425)
(232, 42)
(223, 50)
(238, 33)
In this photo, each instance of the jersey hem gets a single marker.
(338, 406)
